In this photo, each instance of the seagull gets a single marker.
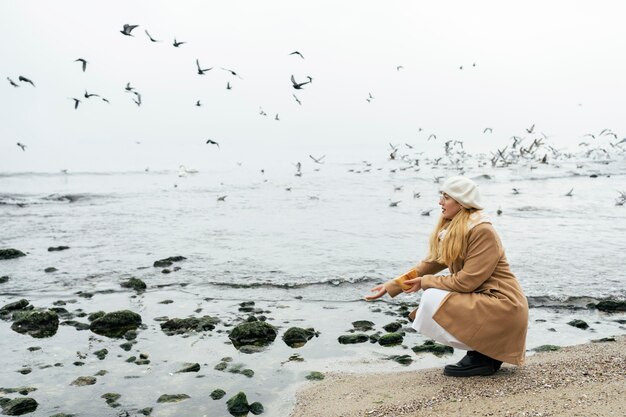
(228, 87)
(294, 96)
(26, 80)
(488, 129)
(276, 118)
(432, 136)
(426, 212)
(298, 86)
(200, 70)
(212, 142)
(84, 61)
(570, 193)
(297, 53)
(232, 72)
(128, 87)
(416, 195)
(138, 101)
(21, 145)
(76, 102)
(198, 104)
(222, 198)
(87, 95)
(177, 44)
(12, 82)
(106, 100)
(317, 160)
(530, 129)
(399, 67)
(394, 203)
(151, 38)
(408, 146)
(499, 211)
(128, 29)
(515, 191)
(262, 112)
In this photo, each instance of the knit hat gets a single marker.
(464, 191)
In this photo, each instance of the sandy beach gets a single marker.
(583, 380)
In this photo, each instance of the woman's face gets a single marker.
(449, 206)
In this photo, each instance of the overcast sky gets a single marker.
(560, 65)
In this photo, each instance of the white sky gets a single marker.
(558, 64)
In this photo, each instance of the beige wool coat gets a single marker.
(486, 308)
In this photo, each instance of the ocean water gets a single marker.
(305, 248)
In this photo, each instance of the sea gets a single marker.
(305, 245)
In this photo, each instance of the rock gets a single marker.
(62, 415)
(401, 359)
(315, 376)
(10, 253)
(84, 380)
(256, 408)
(50, 269)
(101, 354)
(611, 306)
(580, 324)
(96, 315)
(190, 367)
(116, 324)
(76, 324)
(221, 366)
(168, 261)
(390, 339)
(146, 411)
(19, 406)
(218, 394)
(247, 372)
(604, 340)
(111, 398)
(25, 371)
(135, 284)
(21, 390)
(349, 339)
(180, 326)
(172, 398)
(238, 404)
(57, 248)
(17, 305)
(36, 323)
(250, 349)
(127, 346)
(434, 348)
(296, 337)
(256, 333)
(130, 335)
(101, 372)
(547, 348)
(363, 325)
(392, 327)
(166, 302)
(4, 279)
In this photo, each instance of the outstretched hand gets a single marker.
(379, 290)
(415, 283)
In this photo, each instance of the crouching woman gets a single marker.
(480, 306)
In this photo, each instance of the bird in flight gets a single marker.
(426, 212)
(394, 203)
(177, 44)
(570, 193)
(530, 129)
(128, 87)
(21, 145)
(222, 198)
(399, 67)
(26, 80)
(12, 82)
(84, 62)
(198, 104)
(212, 142)
(488, 129)
(432, 136)
(76, 102)
(128, 29)
(317, 160)
(138, 101)
(298, 86)
(88, 95)
(297, 53)
(294, 96)
(151, 38)
(232, 72)
(228, 87)
(276, 117)
(201, 71)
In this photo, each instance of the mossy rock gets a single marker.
(50, 269)
(350, 339)
(580, 324)
(180, 326)
(172, 398)
(36, 323)
(135, 284)
(10, 253)
(604, 340)
(111, 398)
(392, 327)
(257, 333)
(4, 279)
(96, 315)
(401, 359)
(611, 306)
(547, 348)
(19, 406)
(315, 376)
(296, 337)
(436, 349)
(238, 404)
(116, 324)
(161, 263)
(390, 339)
(101, 354)
(363, 325)
(189, 367)
(256, 408)
(57, 248)
(84, 380)
(218, 394)
(14, 306)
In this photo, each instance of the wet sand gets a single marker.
(583, 380)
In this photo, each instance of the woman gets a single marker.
(480, 306)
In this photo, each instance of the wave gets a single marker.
(331, 282)
(568, 302)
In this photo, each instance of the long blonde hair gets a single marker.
(454, 244)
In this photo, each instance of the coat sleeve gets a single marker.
(483, 254)
(396, 285)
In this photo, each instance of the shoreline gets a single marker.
(586, 380)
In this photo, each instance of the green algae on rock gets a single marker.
(10, 253)
(435, 348)
(172, 398)
(256, 333)
(36, 323)
(296, 337)
(116, 324)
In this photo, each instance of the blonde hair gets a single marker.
(454, 244)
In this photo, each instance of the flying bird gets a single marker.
(228, 87)
(128, 87)
(399, 67)
(76, 102)
(530, 129)
(488, 129)
(276, 118)
(88, 95)
(21, 145)
(151, 38)
(177, 44)
(432, 135)
(212, 142)
(198, 104)
(232, 72)
(138, 101)
(84, 62)
(12, 82)
(222, 198)
(201, 71)
(394, 203)
(297, 100)
(317, 160)
(298, 86)
(570, 193)
(297, 53)
(128, 29)
(26, 80)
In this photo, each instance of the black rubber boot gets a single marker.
(473, 364)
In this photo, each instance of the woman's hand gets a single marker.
(379, 290)
(415, 283)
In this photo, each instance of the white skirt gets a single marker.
(424, 323)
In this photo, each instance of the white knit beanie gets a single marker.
(464, 191)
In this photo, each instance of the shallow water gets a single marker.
(327, 240)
